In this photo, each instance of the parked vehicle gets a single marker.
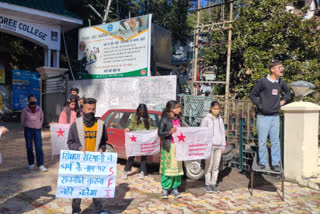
(116, 120)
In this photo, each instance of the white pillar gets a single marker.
(49, 58)
(301, 125)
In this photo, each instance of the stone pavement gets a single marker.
(25, 191)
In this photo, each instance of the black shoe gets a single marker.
(261, 167)
(277, 168)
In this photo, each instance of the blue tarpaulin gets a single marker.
(24, 83)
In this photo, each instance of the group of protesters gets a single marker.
(80, 113)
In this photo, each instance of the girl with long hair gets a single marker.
(71, 111)
(139, 121)
(170, 169)
(214, 120)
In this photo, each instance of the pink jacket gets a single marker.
(32, 120)
(63, 117)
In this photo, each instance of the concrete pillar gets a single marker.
(49, 58)
(301, 125)
(45, 57)
(57, 59)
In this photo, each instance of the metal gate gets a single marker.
(54, 92)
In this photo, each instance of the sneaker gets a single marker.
(208, 189)
(261, 166)
(176, 193)
(215, 188)
(277, 168)
(103, 212)
(42, 168)
(125, 176)
(141, 176)
(31, 166)
(164, 194)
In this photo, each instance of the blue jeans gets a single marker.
(269, 126)
(33, 135)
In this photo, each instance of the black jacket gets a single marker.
(165, 126)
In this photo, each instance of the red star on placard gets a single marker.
(60, 132)
(181, 137)
(133, 138)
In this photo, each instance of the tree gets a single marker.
(265, 31)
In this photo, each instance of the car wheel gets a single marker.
(109, 148)
(194, 169)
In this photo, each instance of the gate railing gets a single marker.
(239, 124)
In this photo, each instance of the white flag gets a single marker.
(59, 137)
(139, 143)
(193, 143)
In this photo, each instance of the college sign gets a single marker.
(42, 34)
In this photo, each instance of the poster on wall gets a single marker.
(117, 49)
(2, 74)
(24, 83)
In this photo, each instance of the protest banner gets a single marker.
(86, 175)
(59, 137)
(139, 143)
(193, 143)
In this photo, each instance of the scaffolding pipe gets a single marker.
(195, 64)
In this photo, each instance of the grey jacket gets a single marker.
(76, 138)
(219, 136)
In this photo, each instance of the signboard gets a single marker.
(117, 49)
(193, 143)
(59, 137)
(86, 175)
(127, 93)
(44, 35)
(139, 143)
(24, 83)
(2, 74)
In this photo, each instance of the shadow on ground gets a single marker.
(28, 200)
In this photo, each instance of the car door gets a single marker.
(115, 130)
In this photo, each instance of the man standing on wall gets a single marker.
(266, 96)
(88, 134)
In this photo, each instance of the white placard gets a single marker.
(86, 175)
(128, 93)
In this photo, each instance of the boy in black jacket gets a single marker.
(266, 96)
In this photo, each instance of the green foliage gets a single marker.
(263, 31)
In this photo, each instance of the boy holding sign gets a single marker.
(87, 134)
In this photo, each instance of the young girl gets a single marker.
(70, 112)
(32, 120)
(139, 121)
(170, 169)
(213, 120)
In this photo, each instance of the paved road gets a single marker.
(25, 191)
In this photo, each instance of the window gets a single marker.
(120, 121)
(108, 118)
(154, 119)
